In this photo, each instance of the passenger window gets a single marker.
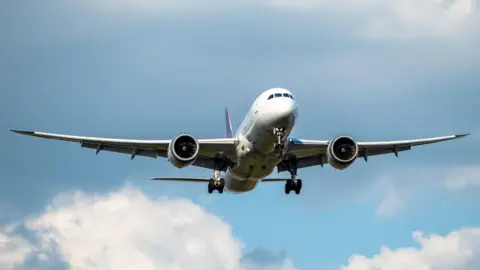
(285, 94)
(291, 96)
(278, 95)
(270, 97)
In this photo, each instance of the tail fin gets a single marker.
(228, 124)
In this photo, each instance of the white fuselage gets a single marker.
(257, 155)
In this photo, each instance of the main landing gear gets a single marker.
(292, 184)
(216, 183)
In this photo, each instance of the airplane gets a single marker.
(260, 145)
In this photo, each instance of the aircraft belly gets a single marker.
(246, 174)
(239, 186)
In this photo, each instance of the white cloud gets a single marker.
(459, 250)
(393, 18)
(368, 18)
(14, 249)
(126, 230)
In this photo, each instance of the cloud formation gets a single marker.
(125, 230)
(459, 250)
(13, 249)
(398, 188)
(371, 18)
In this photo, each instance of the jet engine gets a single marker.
(342, 152)
(183, 150)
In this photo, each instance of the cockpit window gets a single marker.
(287, 95)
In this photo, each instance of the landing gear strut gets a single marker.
(216, 183)
(279, 134)
(293, 184)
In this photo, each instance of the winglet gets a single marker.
(228, 124)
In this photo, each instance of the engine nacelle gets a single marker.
(183, 150)
(342, 152)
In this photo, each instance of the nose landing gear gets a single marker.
(279, 132)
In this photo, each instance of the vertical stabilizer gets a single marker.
(228, 124)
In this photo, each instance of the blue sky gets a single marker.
(377, 70)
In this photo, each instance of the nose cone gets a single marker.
(285, 112)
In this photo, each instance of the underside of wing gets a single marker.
(309, 153)
(367, 149)
(210, 150)
(276, 179)
(182, 179)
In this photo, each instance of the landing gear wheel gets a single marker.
(222, 185)
(288, 186)
(293, 185)
(298, 186)
(287, 189)
(210, 186)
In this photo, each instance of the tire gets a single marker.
(222, 183)
(287, 188)
(210, 186)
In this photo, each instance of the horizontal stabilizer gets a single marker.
(193, 179)
(182, 179)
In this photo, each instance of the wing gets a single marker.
(209, 148)
(311, 153)
(182, 179)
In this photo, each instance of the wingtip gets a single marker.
(462, 135)
(25, 132)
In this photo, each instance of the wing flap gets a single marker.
(367, 152)
(145, 152)
(276, 180)
(306, 148)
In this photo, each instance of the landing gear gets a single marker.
(216, 183)
(279, 144)
(292, 184)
